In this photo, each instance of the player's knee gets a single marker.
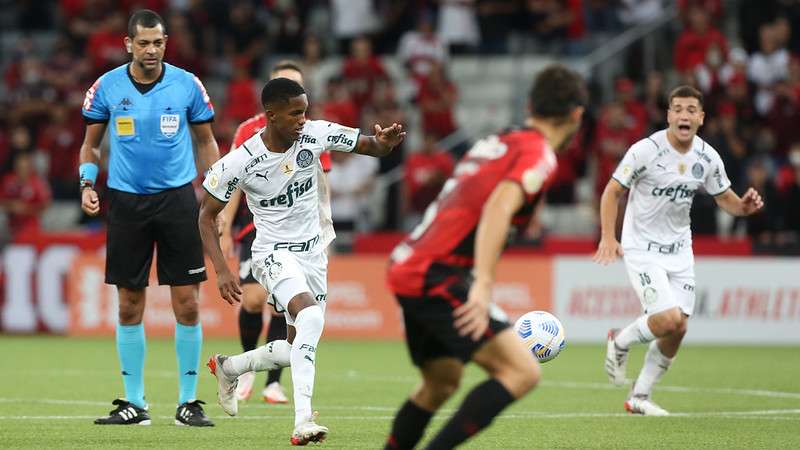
(523, 377)
(667, 322)
(311, 317)
(130, 310)
(129, 314)
(187, 309)
(440, 390)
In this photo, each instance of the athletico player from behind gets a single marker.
(442, 273)
(254, 295)
(661, 174)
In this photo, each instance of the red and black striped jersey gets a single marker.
(446, 234)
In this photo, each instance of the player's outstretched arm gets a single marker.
(90, 153)
(472, 318)
(382, 143)
(609, 249)
(750, 203)
(227, 284)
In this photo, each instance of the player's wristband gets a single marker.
(88, 173)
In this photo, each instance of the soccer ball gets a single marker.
(543, 333)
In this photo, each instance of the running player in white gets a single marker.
(662, 174)
(277, 170)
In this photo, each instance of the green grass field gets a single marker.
(721, 397)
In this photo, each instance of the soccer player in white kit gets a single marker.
(276, 168)
(662, 174)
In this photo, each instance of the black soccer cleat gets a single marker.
(191, 414)
(126, 414)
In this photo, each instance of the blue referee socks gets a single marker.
(131, 348)
(188, 344)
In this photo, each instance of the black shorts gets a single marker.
(167, 220)
(430, 332)
(245, 258)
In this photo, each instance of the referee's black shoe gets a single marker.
(126, 413)
(191, 414)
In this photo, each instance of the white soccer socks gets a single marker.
(273, 355)
(308, 323)
(655, 366)
(637, 331)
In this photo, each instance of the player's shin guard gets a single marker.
(277, 331)
(250, 325)
(131, 348)
(188, 345)
(476, 412)
(408, 427)
(309, 323)
(267, 357)
(655, 366)
(637, 331)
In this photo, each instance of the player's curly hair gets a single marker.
(280, 90)
(556, 92)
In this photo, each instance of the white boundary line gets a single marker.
(355, 376)
(769, 414)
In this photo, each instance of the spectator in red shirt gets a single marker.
(60, 139)
(635, 111)
(23, 195)
(613, 136)
(103, 46)
(183, 50)
(362, 70)
(425, 172)
(241, 93)
(437, 98)
(697, 40)
(784, 115)
(339, 107)
(571, 166)
(712, 7)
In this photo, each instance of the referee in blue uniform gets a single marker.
(149, 108)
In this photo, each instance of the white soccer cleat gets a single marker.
(616, 360)
(226, 386)
(309, 432)
(273, 393)
(245, 387)
(644, 406)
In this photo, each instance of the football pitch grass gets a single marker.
(721, 397)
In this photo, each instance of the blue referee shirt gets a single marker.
(151, 147)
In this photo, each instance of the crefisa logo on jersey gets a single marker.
(674, 192)
(293, 191)
(304, 158)
(231, 187)
(340, 138)
(306, 139)
(697, 170)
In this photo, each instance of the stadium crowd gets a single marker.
(54, 50)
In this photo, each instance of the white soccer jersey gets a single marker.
(282, 188)
(662, 183)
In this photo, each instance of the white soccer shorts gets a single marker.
(662, 281)
(286, 274)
